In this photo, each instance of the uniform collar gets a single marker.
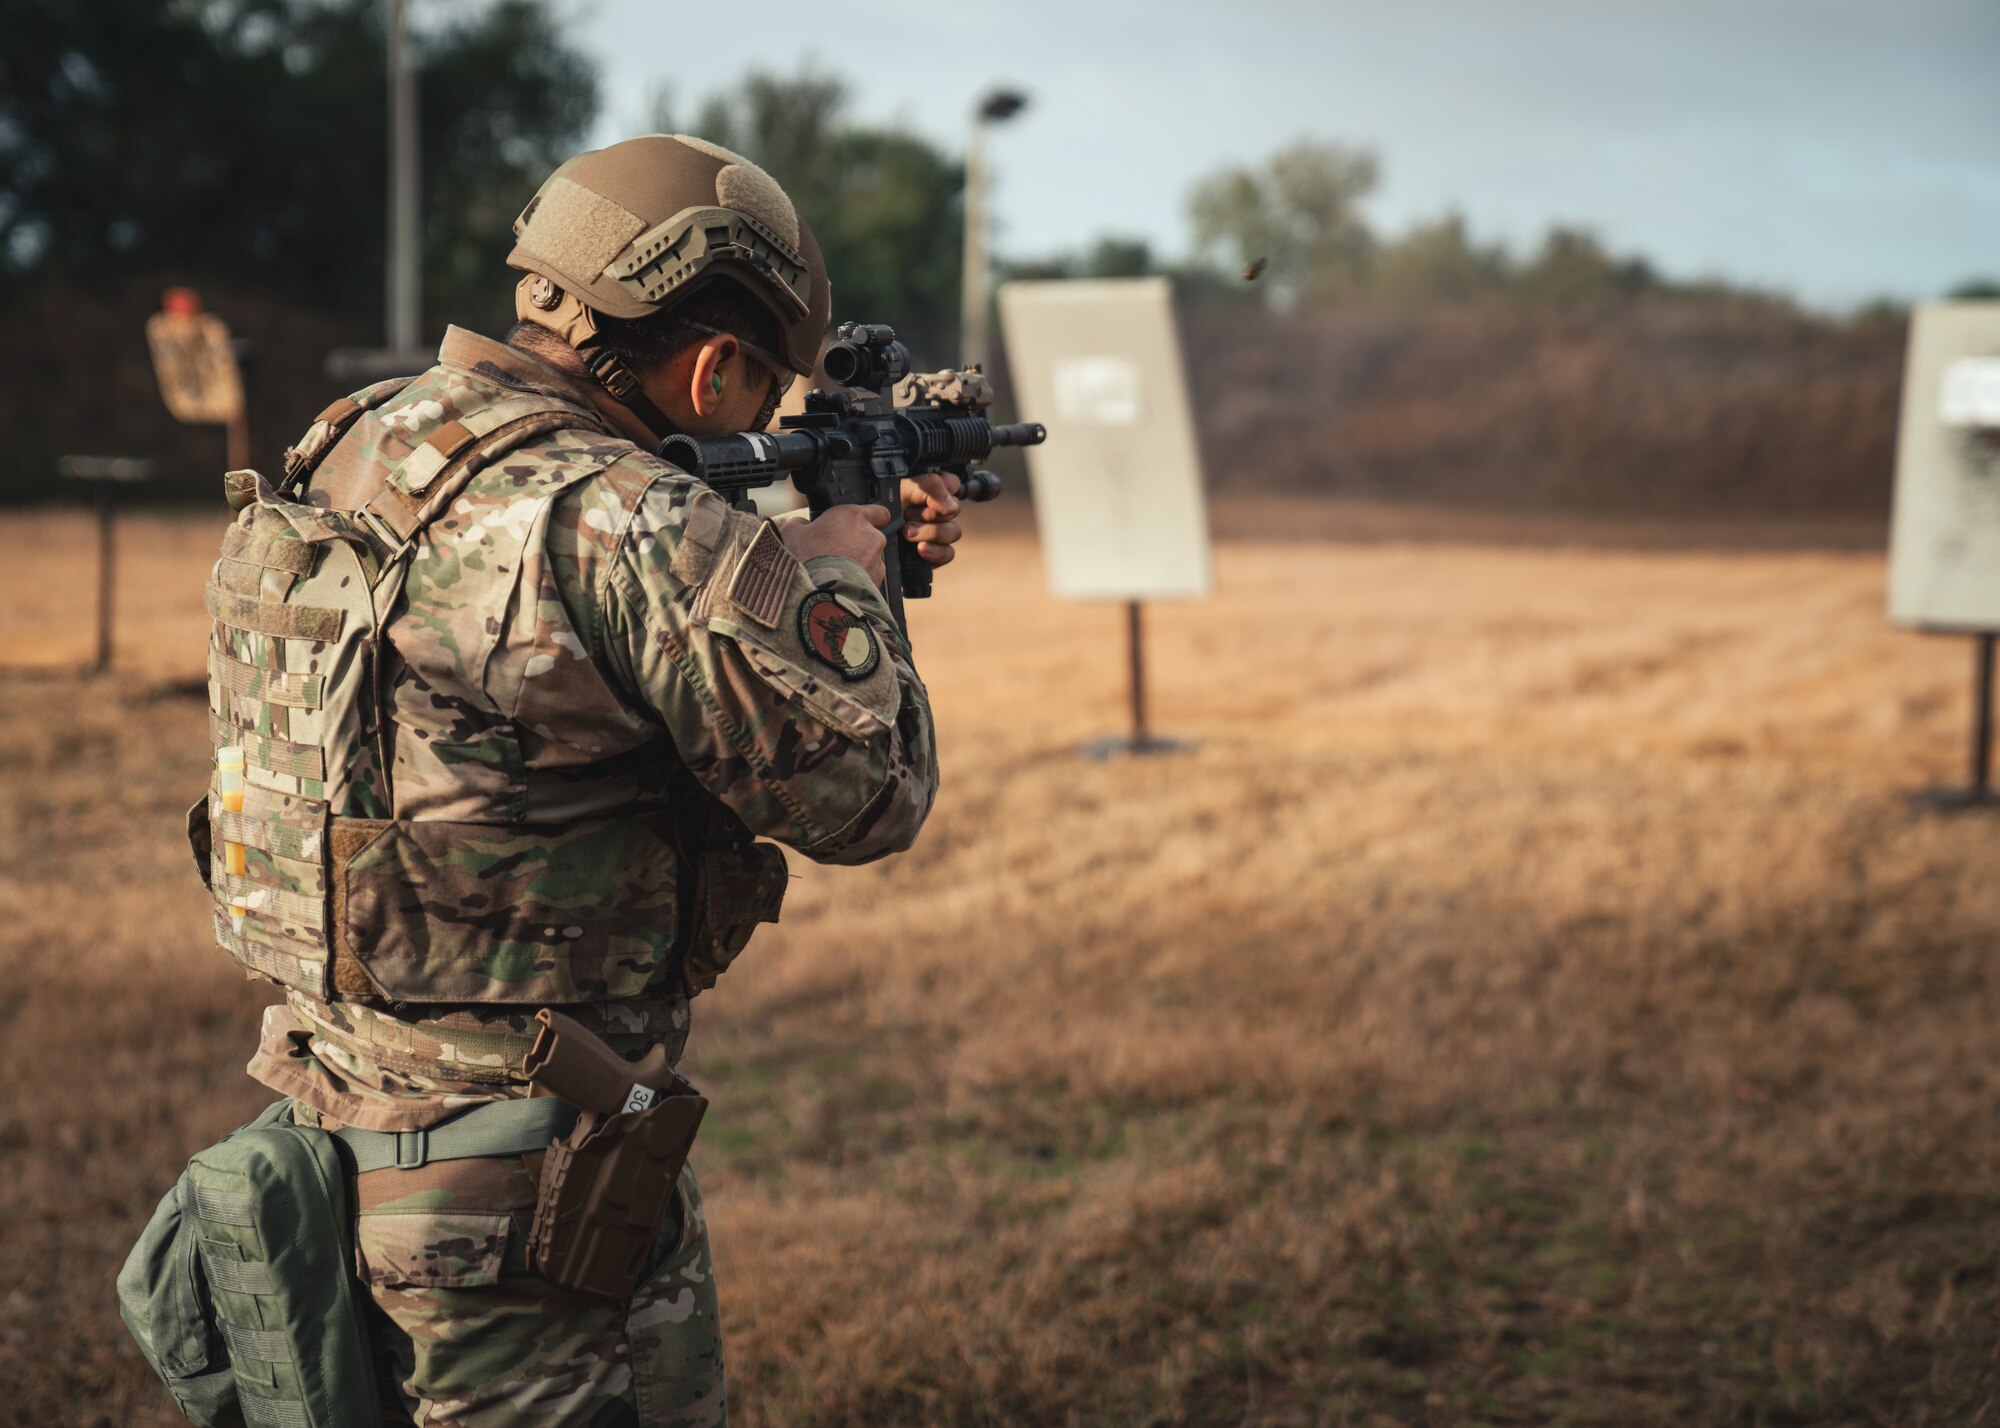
(514, 368)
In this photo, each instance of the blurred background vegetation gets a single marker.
(237, 146)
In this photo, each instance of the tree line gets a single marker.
(243, 141)
(239, 146)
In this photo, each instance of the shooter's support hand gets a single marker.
(929, 503)
(854, 531)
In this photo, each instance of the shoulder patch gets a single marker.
(837, 636)
(762, 577)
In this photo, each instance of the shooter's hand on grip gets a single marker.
(929, 503)
(853, 531)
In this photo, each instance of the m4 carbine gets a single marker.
(858, 444)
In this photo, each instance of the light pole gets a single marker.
(402, 281)
(405, 295)
(998, 105)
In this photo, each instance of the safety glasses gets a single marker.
(781, 375)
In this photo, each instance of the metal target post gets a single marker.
(1141, 740)
(105, 475)
(1982, 721)
(1978, 792)
(1135, 636)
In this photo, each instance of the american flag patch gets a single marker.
(762, 577)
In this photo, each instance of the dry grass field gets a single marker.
(1533, 1002)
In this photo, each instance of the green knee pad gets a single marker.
(241, 1291)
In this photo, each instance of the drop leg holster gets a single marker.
(606, 1185)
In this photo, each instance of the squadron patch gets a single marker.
(838, 636)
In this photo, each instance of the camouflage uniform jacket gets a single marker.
(591, 640)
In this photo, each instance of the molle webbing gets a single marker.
(301, 843)
(267, 1346)
(301, 909)
(280, 959)
(241, 544)
(260, 1412)
(224, 1207)
(279, 756)
(273, 617)
(272, 686)
(238, 1276)
(274, 664)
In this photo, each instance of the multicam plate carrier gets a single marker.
(298, 600)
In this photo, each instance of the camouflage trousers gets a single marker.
(467, 1336)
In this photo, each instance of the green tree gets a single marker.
(246, 139)
(1299, 212)
(1574, 269)
(504, 101)
(1440, 261)
(1110, 256)
(1113, 256)
(885, 204)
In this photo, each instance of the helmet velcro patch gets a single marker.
(578, 232)
(748, 189)
(743, 186)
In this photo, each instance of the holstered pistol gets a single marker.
(606, 1186)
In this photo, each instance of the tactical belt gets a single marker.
(496, 1128)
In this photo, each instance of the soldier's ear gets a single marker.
(706, 384)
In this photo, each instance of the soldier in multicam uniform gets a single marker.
(596, 695)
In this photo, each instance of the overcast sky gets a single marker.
(1838, 149)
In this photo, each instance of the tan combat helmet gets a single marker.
(627, 229)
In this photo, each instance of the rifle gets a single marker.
(857, 445)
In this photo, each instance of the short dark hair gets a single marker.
(643, 343)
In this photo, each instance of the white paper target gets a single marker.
(1944, 545)
(1118, 492)
(1971, 393)
(1097, 391)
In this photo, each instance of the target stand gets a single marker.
(1978, 793)
(1141, 742)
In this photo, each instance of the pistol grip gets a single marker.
(916, 570)
(570, 1062)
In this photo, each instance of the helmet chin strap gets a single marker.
(549, 307)
(625, 389)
